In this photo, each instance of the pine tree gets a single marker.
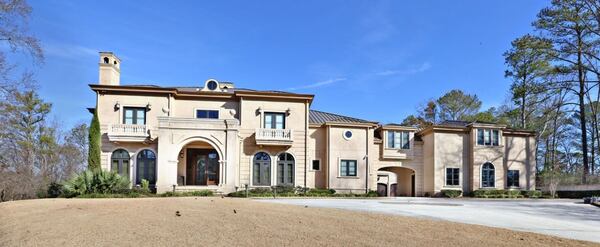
(94, 142)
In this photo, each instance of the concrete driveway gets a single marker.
(563, 218)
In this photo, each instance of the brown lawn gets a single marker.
(212, 221)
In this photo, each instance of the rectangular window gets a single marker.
(398, 139)
(453, 176)
(495, 138)
(348, 168)
(134, 115)
(274, 120)
(513, 178)
(207, 114)
(316, 165)
(487, 137)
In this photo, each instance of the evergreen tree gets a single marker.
(94, 143)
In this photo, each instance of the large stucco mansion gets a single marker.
(218, 137)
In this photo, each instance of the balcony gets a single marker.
(127, 132)
(274, 137)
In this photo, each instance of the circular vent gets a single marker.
(212, 85)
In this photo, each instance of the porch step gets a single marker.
(214, 189)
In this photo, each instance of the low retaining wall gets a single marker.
(575, 191)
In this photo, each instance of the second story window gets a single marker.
(134, 115)
(398, 139)
(487, 137)
(207, 114)
(274, 120)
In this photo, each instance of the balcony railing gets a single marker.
(127, 132)
(274, 137)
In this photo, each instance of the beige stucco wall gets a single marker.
(317, 143)
(450, 151)
(186, 107)
(355, 148)
(520, 157)
(252, 118)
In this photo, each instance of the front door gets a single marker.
(202, 167)
(382, 190)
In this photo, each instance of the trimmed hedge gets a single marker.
(451, 193)
(282, 191)
(493, 193)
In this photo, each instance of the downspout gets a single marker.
(367, 163)
(327, 130)
(306, 114)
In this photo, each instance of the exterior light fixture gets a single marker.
(149, 106)
(288, 111)
(117, 106)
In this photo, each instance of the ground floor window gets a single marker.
(452, 176)
(285, 169)
(146, 167)
(512, 178)
(316, 165)
(120, 162)
(488, 178)
(348, 168)
(261, 169)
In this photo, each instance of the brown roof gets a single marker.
(320, 117)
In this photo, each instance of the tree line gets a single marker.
(34, 151)
(554, 73)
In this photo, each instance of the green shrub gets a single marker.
(531, 193)
(145, 186)
(54, 190)
(451, 193)
(372, 193)
(513, 193)
(188, 193)
(320, 192)
(95, 182)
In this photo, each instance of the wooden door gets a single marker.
(382, 189)
(202, 167)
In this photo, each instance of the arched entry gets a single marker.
(199, 165)
(400, 180)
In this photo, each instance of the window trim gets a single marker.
(355, 168)
(130, 161)
(488, 135)
(293, 182)
(481, 176)
(274, 113)
(517, 180)
(124, 112)
(252, 182)
(312, 166)
(446, 177)
(401, 145)
(208, 110)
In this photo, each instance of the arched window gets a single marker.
(120, 162)
(105, 59)
(487, 175)
(261, 169)
(285, 169)
(146, 167)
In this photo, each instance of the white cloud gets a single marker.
(318, 84)
(424, 67)
(69, 51)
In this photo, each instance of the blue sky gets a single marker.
(352, 55)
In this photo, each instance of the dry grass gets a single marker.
(212, 221)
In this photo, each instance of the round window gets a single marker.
(212, 85)
(347, 134)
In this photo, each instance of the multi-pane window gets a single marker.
(120, 162)
(262, 169)
(134, 115)
(348, 168)
(487, 137)
(285, 169)
(512, 178)
(488, 177)
(316, 165)
(452, 176)
(398, 139)
(210, 114)
(274, 120)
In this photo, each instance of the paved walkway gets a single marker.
(563, 218)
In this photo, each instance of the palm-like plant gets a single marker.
(89, 182)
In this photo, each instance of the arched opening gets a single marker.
(199, 164)
(119, 162)
(145, 167)
(261, 169)
(106, 60)
(396, 181)
(488, 177)
(285, 169)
